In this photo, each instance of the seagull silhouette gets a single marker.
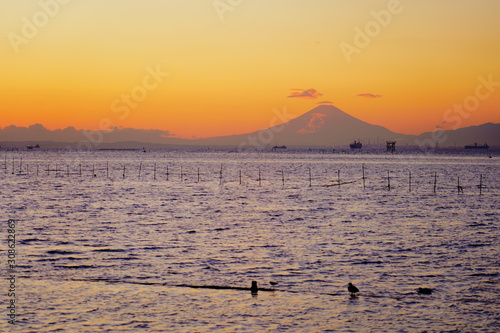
(352, 289)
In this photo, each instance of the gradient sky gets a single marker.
(230, 63)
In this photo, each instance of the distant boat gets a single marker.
(279, 147)
(356, 145)
(476, 146)
(32, 147)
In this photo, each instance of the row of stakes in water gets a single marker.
(27, 170)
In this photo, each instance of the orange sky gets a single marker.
(218, 67)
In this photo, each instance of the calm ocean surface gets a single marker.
(122, 251)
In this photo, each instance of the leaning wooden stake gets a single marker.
(459, 188)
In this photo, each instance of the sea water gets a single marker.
(167, 241)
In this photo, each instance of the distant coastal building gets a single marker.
(391, 146)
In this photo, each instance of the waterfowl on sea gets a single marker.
(426, 291)
(352, 289)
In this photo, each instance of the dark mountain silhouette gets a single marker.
(323, 126)
(487, 133)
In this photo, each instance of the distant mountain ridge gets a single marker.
(323, 126)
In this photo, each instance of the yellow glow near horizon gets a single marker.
(226, 76)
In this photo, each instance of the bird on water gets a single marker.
(352, 289)
(425, 291)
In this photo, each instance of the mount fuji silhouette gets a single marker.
(325, 125)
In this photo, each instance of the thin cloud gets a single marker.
(369, 95)
(325, 102)
(305, 93)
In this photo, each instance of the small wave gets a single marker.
(62, 252)
(75, 266)
(30, 240)
(484, 274)
(109, 250)
(366, 262)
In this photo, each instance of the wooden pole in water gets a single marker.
(459, 188)
(154, 171)
(107, 169)
(67, 170)
(198, 175)
(13, 165)
(409, 182)
(363, 170)
(123, 175)
(338, 177)
(37, 169)
(435, 181)
(167, 172)
(80, 169)
(283, 177)
(388, 181)
(259, 178)
(220, 175)
(5, 165)
(240, 176)
(181, 175)
(93, 171)
(481, 184)
(310, 177)
(20, 165)
(140, 169)
(57, 170)
(48, 170)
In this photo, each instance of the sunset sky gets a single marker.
(201, 68)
